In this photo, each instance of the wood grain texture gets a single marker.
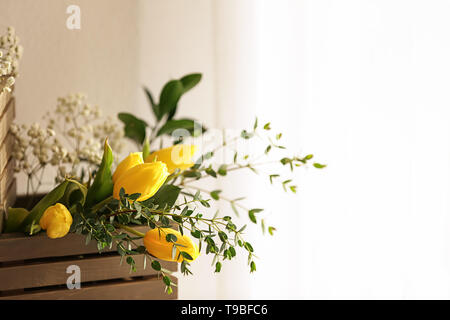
(40, 274)
(16, 246)
(10, 199)
(150, 288)
(5, 97)
(6, 118)
(6, 179)
(6, 151)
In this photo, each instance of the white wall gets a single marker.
(176, 39)
(99, 60)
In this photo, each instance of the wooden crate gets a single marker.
(7, 200)
(35, 268)
(5, 96)
(7, 183)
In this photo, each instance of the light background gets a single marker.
(361, 84)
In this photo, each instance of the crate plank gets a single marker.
(7, 118)
(41, 274)
(6, 151)
(150, 288)
(6, 179)
(16, 246)
(5, 97)
(10, 199)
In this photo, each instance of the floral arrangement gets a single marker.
(10, 54)
(156, 186)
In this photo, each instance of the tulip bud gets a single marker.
(56, 220)
(145, 178)
(176, 157)
(129, 162)
(156, 244)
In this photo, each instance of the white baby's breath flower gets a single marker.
(70, 140)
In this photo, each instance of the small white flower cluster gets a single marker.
(10, 54)
(81, 127)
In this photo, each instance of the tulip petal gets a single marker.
(145, 179)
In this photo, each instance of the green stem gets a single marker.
(100, 205)
(131, 230)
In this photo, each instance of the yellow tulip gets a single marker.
(156, 244)
(129, 162)
(56, 220)
(145, 178)
(176, 157)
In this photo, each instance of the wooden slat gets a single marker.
(10, 199)
(96, 268)
(4, 98)
(7, 118)
(143, 289)
(6, 151)
(16, 246)
(6, 179)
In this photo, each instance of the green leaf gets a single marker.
(15, 219)
(252, 266)
(166, 280)
(169, 97)
(223, 236)
(155, 107)
(218, 266)
(251, 214)
(319, 166)
(186, 255)
(171, 237)
(156, 265)
(272, 176)
(192, 174)
(167, 195)
(146, 148)
(211, 172)
(30, 224)
(191, 80)
(102, 187)
(196, 234)
(271, 230)
(255, 125)
(131, 261)
(215, 194)
(248, 247)
(134, 128)
(222, 170)
(75, 193)
(194, 128)
(284, 183)
(232, 251)
(247, 135)
(252, 217)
